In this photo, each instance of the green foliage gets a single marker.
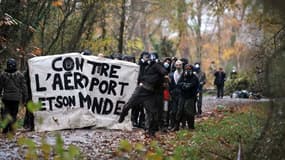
(217, 137)
(33, 107)
(72, 152)
(5, 121)
(125, 146)
(31, 146)
(46, 150)
(134, 46)
(43, 150)
(164, 47)
(99, 45)
(241, 82)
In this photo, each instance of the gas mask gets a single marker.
(188, 73)
(166, 65)
(11, 64)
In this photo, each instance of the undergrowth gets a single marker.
(218, 136)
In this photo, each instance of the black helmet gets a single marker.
(144, 54)
(197, 66)
(116, 56)
(188, 66)
(154, 57)
(11, 64)
(129, 58)
(86, 52)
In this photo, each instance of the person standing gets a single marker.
(137, 113)
(202, 81)
(174, 91)
(147, 95)
(29, 116)
(220, 78)
(188, 85)
(13, 87)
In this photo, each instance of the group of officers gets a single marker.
(168, 94)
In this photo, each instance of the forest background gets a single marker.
(247, 34)
(226, 33)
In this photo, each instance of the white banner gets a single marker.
(88, 84)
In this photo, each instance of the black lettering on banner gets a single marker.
(48, 76)
(38, 88)
(97, 105)
(94, 82)
(65, 101)
(108, 106)
(58, 103)
(103, 86)
(69, 101)
(118, 108)
(68, 64)
(83, 100)
(42, 100)
(79, 63)
(50, 101)
(67, 81)
(57, 82)
(105, 67)
(95, 66)
(113, 71)
(123, 84)
(112, 86)
(80, 80)
(53, 64)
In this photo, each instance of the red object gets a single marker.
(166, 95)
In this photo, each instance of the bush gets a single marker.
(241, 82)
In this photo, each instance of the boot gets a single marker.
(122, 116)
(176, 127)
(191, 122)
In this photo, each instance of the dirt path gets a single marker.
(98, 143)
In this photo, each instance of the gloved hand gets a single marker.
(186, 85)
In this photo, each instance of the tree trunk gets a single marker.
(122, 27)
(59, 30)
(271, 144)
(182, 45)
(220, 60)
(199, 37)
(74, 42)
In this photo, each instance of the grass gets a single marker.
(216, 137)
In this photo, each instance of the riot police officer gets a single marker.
(148, 94)
(188, 85)
(13, 85)
(202, 81)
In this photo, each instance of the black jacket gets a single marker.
(142, 70)
(220, 78)
(188, 85)
(154, 76)
(13, 86)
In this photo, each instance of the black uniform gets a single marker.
(137, 114)
(147, 94)
(220, 78)
(13, 85)
(188, 85)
